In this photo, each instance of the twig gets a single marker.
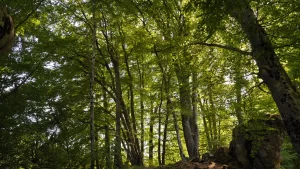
(31, 13)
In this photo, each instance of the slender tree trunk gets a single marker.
(213, 120)
(92, 76)
(194, 119)
(114, 58)
(136, 154)
(166, 131)
(166, 85)
(208, 116)
(206, 129)
(219, 131)
(69, 155)
(128, 134)
(238, 92)
(98, 164)
(117, 151)
(108, 159)
(151, 134)
(159, 130)
(142, 107)
(271, 71)
(238, 106)
(183, 158)
(92, 136)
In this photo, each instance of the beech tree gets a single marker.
(271, 71)
(92, 84)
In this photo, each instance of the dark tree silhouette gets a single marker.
(6, 31)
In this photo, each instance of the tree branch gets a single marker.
(31, 13)
(221, 46)
(259, 86)
(25, 79)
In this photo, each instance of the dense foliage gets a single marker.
(169, 80)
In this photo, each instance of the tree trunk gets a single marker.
(108, 161)
(131, 142)
(141, 73)
(169, 109)
(117, 151)
(208, 116)
(114, 58)
(166, 76)
(186, 111)
(98, 163)
(206, 129)
(238, 92)
(136, 148)
(271, 71)
(178, 138)
(213, 115)
(194, 119)
(135, 151)
(151, 134)
(159, 131)
(92, 76)
(92, 128)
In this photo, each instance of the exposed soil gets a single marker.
(191, 165)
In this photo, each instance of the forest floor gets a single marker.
(190, 165)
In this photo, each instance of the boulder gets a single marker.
(207, 157)
(257, 144)
(221, 155)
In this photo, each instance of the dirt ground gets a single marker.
(191, 165)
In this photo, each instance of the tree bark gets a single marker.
(136, 152)
(194, 119)
(169, 109)
(271, 71)
(213, 115)
(98, 163)
(107, 149)
(238, 91)
(183, 75)
(166, 76)
(142, 107)
(117, 151)
(206, 129)
(159, 130)
(151, 134)
(130, 142)
(178, 137)
(133, 141)
(91, 92)
(108, 161)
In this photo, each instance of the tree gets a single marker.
(7, 31)
(91, 91)
(271, 71)
(139, 74)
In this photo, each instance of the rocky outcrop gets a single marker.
(221, 155)
(257, 144)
